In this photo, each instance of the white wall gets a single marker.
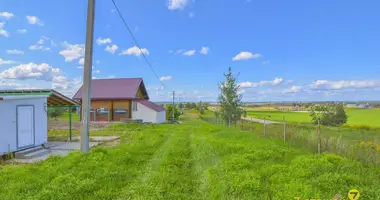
(161, 117)
(144, 113)
(148, 114)
(8, 122)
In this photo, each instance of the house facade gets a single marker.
(124, 98)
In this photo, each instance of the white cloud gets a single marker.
(40, 41)
(189, 53)
(8, 84)
(2, 31)
(15, 51)
(244, 55)
(6, 15)
(41, 48)
(72, 51)
(177, 4)
(273, 82)
(204, 50)
(113, 10)
(166, 78)
(191, 14)
(21, 31)
(6, 62)
(277, 81)
(41, 71)
(56, 70)
(66, 86)
(40, 44)
(112, 49)
(101, 41)
(97, 71)
(293, 89)
(135, 51)
(336, 85)
(34, 20)
(60, 83)
(81, 61)
(180, 51)
(98, 61)
(80, 67)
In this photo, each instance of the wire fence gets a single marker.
(306, 136)
(98, 129)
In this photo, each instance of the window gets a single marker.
(102, 111)
(121, 111)
(134, 105)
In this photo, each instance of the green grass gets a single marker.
(65, 116)
(196, 160)
(279, 115)
(370, 117)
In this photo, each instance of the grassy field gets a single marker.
(65, 116)
(369, 117)
(195, 160)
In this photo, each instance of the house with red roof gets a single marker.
(122, 98)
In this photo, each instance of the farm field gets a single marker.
(195, 160)
(370, 117)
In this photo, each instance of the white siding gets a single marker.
(161, 117)
(8, 122)
(148, 114)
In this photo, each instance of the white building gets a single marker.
(148, 111)
(23, 117)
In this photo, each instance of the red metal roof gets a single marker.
(151, 105)
(121, 88)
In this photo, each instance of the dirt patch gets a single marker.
(64, 125)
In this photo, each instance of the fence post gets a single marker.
(265, 127)
(319, 136)
(251, 124)
(70, 125)
(284, 130)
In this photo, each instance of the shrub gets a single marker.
(330, 114)
(55, 112)
(169, 112)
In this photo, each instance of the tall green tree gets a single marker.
(230, 99)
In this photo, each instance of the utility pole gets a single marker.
(173, 107)
(86, 91)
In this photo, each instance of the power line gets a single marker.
(136, 43)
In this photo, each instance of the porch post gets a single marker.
(70, 124)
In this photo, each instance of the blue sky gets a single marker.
(292, 50)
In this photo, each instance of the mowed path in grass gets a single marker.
(195, 160)
(369, 117)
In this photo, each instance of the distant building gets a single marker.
(123, 98)
(362, 105)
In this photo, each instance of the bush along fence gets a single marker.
(311, 137)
